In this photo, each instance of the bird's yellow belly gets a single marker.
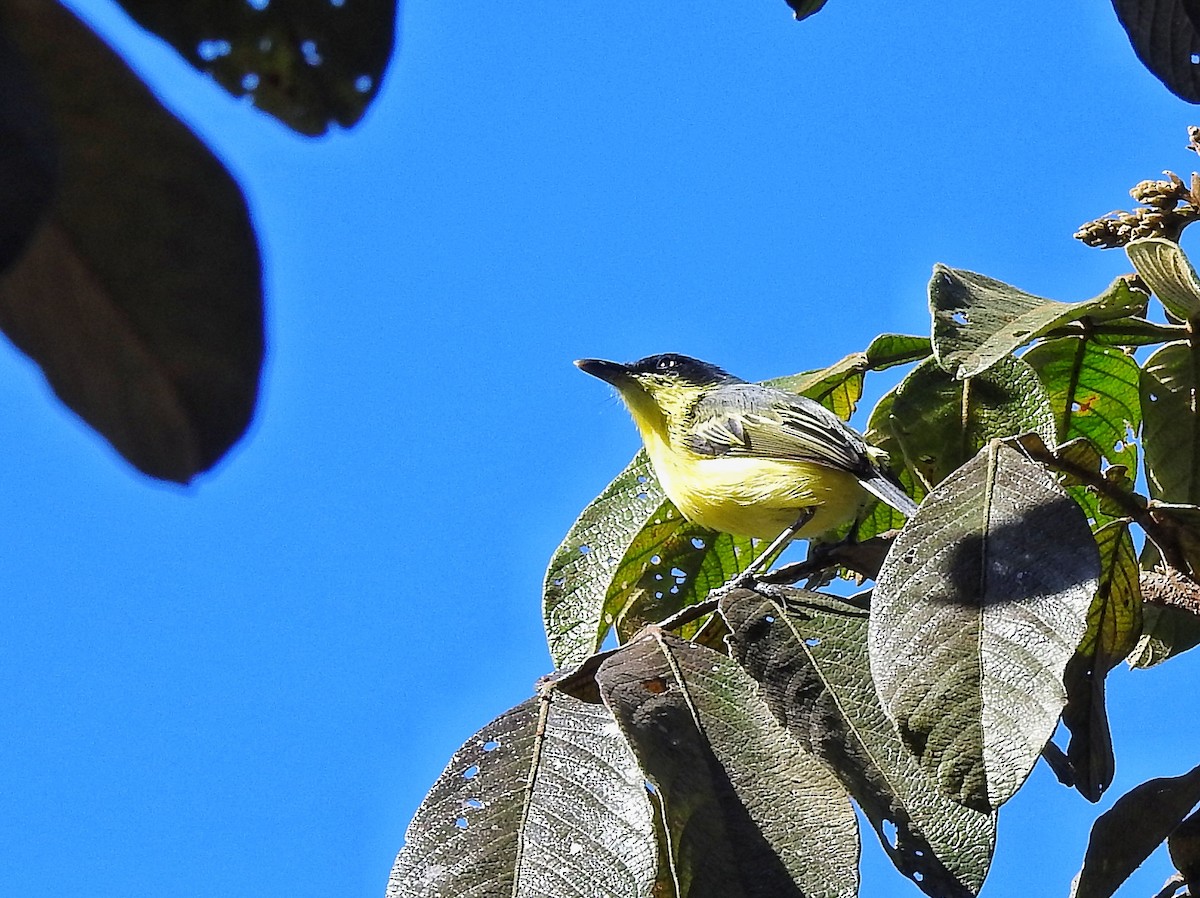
(759, 497)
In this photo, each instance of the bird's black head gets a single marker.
(671, 366)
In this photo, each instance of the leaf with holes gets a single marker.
(749, 812)
(1171, 433)
(979, 606)
(140, 293)
(1114, 622)
(630, 559)
(544, 800)
(307, 64)
(1093, 392)
(977, 320)
(940, 422)
(810, 660)
(1123, 837)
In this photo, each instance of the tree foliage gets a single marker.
(715, 750)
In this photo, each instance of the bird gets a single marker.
(747, 459)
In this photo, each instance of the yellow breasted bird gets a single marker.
(743, 458)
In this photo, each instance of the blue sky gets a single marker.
(246, 686)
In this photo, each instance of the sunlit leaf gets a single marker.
(977, 320)
(1093, 391)
(140, 293)
(979, 606)
(1172, 422)
(810, 659)
(630, 559)
(940, 422)
(309, 63)
(546, 800)
(888, 350)
(1165, 268)
(749, 812)
(1125, 836)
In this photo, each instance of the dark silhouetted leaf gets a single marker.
(1171, 424)
(1114, 623)
(546, 801)
(1093, 392)
(1165, 39)
(1166, 270)
(28, 174)
(940, 422)
(805, 8)
(810, 660)
(630, 559)
(1125, 836)
(749, 813)
(306, 62)
(977, 320)
(979, 606)
(1184, 847)
(140, 294)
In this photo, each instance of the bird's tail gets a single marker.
(887, 491)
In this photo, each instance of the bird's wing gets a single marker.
(760, 422)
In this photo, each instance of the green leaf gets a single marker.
(977, 320)
(546, 794)
(1125, 836)
(979, 606)
(749, 812)
(1165, 268)
(1171, 434)
(140, 293)
(838, 387)
(309, 64)
(1093, 392)
(888, 350)
(881, 434)
(1114, 623)
(28, 173)
(941, 422)
(630, 559)
(810, 660)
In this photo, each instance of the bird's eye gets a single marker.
(666, 363)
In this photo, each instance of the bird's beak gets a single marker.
(611, 372)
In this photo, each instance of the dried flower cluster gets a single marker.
(1167, 207)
